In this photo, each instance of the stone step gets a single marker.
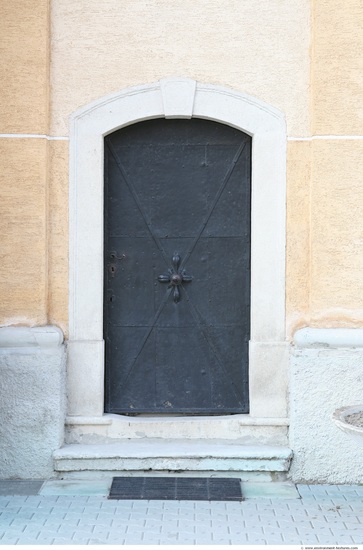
(173, 454)
(112, 427)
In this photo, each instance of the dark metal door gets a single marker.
(177, 268)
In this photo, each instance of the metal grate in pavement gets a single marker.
(176, 488)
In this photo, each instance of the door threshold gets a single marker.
(112, 428)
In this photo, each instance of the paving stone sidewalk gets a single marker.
(78, 512)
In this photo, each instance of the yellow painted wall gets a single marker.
(24, 76)
(337, 233)
(303, 57)
(24, 68)
(298, 235)
(58, 235)
(23, 271)
(336, 227)
(338, 67)
(324, 242)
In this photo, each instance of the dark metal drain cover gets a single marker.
(175, 488)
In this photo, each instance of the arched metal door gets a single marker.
(177, 268)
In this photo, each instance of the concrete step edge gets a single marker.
(172, 448)
(172, 455)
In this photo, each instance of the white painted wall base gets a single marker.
(326, 373)
(32, 401)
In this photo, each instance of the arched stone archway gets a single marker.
(178, 98)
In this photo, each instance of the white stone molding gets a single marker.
(244, 420)
(329, 338)
(325, 138)
(29, 339)
(177, 98)
(35, 136)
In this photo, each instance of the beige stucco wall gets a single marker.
(338, 67)
(34, 232)
(298, 234)
(58, 235)
(23, 272)
(324, 262)
(24, 74)
(336, 220)
(324, 220)
(260, 48)
(337, 233)
(299, 56)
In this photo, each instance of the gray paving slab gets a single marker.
(269, 490)
(76, 513)
(76, 487)
(20, 487)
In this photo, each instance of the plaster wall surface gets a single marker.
(32, 403)
(259, 48)
(24, 71)
(23, 226)
(24, 75)
(298, 235)
(321, 381)
(58, 235)
(336, 292)
(324, 235)
(338, 67)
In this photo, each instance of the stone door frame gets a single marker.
(178, 98)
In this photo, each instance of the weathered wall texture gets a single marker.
(322, 452)
(32, 408)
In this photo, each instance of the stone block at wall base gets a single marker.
(32, 401)
(323, 380)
